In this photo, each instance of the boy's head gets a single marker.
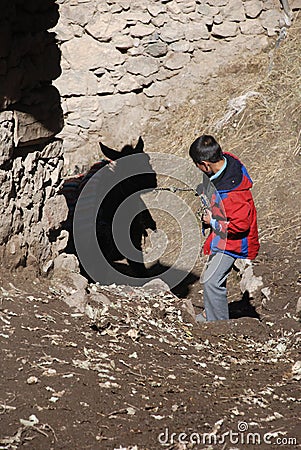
(205, 149)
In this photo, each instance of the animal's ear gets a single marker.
(140, 145)
(109, 152)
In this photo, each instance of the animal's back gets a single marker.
(73, 186)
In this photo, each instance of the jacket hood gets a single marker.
(235, 177)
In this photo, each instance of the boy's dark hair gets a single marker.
(205, 148)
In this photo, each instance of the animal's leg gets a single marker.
(138, 268)
(136, 233)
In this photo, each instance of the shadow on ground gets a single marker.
(243, 308)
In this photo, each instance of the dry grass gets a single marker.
(266, 135)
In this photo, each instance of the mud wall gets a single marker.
(124, 63)
(31, 159)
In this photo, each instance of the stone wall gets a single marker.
(31, 158)
(119, 65)
(126, 62)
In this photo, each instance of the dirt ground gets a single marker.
(141, 371)
(141, 375)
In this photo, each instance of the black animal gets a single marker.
(129, 173)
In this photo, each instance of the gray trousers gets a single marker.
(214, 282)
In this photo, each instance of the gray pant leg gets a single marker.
(215, 291)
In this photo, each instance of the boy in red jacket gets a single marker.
(231, 219)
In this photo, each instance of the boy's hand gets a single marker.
(207, 216)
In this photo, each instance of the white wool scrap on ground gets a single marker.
(235, 106)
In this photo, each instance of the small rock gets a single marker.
(141, 30)
(296, 4)
(176, 61)
(171, 33)
(47, 266)
(156, 285)
(65, 262)
(33, 420)
(49, 372)
(157, 49)
(253, 8)
(296, 371)
(32, 380)
(249, 282)
(188, 310)
(225, 29)
(98, 298)
(77, 300)
(266, 292)
(131, 411)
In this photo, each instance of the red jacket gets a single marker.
(234, 225)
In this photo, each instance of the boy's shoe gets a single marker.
(200, 318)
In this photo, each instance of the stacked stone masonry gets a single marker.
(31, 158)
(124, 63)
(114, 65)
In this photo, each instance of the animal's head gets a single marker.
(139, 161)
(127, 150)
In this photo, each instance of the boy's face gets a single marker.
(205, 167)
